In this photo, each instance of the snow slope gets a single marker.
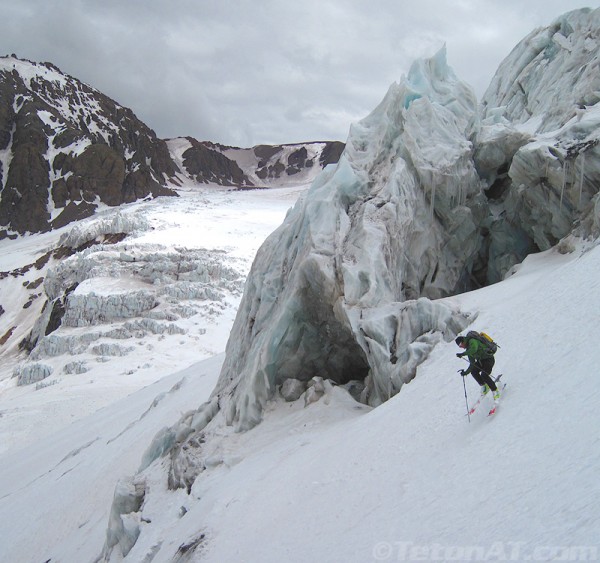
(63, 484)
(413, 478)
(338, 481)
(224, 228)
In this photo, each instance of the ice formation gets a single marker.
(538, 143)
(124, 522)
(432, 196)
(31, 372)
(113, 289)
(341, 290)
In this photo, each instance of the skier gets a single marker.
(481, 360)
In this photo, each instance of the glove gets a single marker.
(459, 355)
(463, 372)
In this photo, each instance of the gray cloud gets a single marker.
(243, 72)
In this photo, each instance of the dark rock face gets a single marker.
(66, 146)
(332, 152)
(265, 152)
(298, 160)
(205, 163)
(275, 161)
(259, 166)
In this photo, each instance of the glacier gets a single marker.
(102, 287)
(434, 195)
(343, 289)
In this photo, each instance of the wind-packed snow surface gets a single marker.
(338, 481)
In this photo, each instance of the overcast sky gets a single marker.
(247, 72)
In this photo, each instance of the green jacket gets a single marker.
(476, 350)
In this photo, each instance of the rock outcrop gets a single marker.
(255, 167)
(205, 163)
(65, 148)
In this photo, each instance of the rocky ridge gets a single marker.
(66, 149)
(255, 167)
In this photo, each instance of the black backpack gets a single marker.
(486, 339)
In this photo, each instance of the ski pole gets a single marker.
(466, 400)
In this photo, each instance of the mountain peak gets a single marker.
(65, 148)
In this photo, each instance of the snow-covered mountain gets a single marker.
(260, 166)
(67, 151)
(355, 297)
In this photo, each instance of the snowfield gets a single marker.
(336, 480)
(219, 229)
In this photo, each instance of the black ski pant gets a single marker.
(481, 370)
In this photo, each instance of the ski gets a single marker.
(481, 397)
(474, 407)
(494, 409)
